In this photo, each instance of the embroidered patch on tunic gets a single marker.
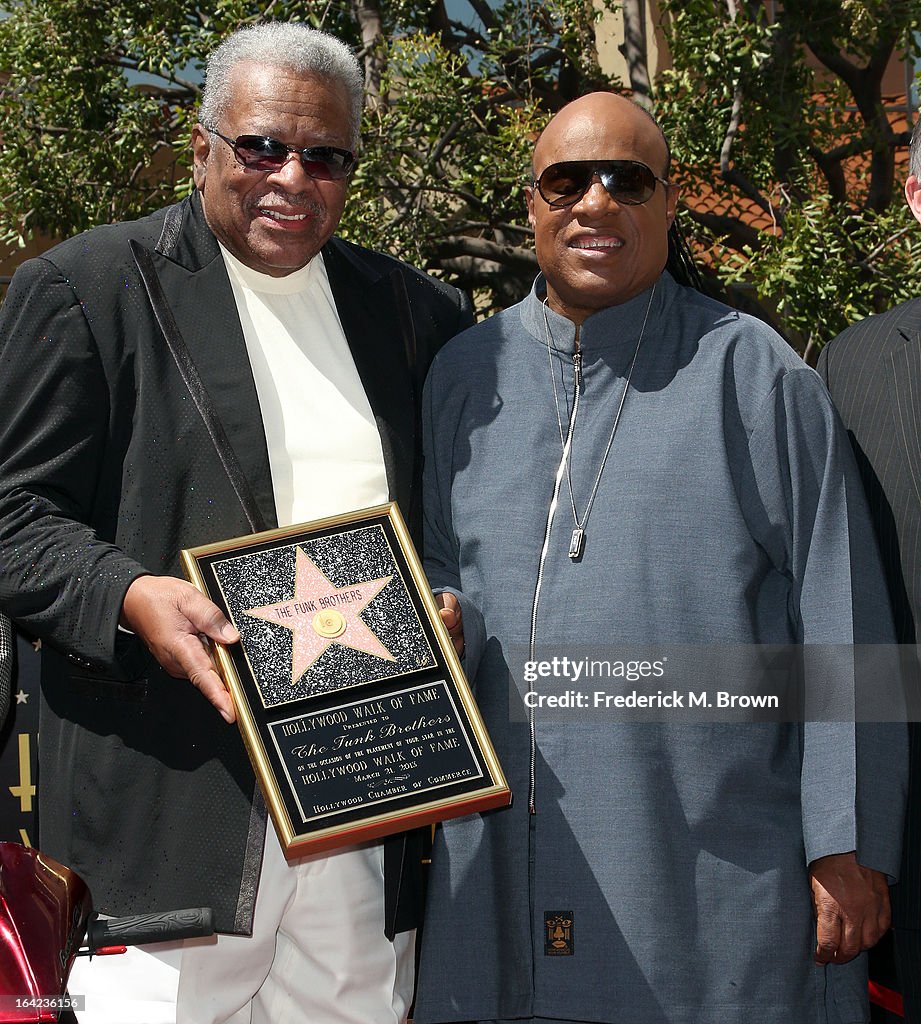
(558, 937)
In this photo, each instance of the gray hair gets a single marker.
(282, 44)
(914, 152)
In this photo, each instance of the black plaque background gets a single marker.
(400, 742)
(372, 691)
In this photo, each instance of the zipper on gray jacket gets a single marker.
(551, 512)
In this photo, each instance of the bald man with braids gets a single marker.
(619, 463)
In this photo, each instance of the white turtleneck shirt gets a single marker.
(324, 448)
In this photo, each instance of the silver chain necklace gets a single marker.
(577, 540)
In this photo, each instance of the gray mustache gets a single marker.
(301, 204)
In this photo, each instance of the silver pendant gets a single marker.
(576, 542)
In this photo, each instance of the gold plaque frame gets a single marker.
(349, 695)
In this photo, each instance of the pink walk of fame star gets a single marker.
(321, 614)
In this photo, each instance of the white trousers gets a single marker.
(317, 955)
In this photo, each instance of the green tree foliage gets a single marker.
(755, 123)
(447, 144)
(452, 107)
(97, 103)
(456, 95)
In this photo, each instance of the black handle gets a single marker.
(166, 927)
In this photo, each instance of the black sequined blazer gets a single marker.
(106, 472)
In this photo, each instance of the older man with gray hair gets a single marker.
(169, 382)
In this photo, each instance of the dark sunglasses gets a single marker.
(626, 181)
(263, 153)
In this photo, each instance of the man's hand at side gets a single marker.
(450, 611)
(170, 616)
(851, 905)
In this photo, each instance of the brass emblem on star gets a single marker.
(329, 624)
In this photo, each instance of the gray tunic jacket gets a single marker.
(728, 512)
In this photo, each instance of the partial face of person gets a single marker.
(913, 196)
(273, 221)
(599, 252)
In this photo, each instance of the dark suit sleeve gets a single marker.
(822, 365)
(827, 364)
(465, 317)
(441, 312)
(873, 371)
(58, 576)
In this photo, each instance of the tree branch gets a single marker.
(735, 119)
(484, 12)
(835, 61)
(730, 230)
(867, 262)
(634, 51)
(506, 286)
(865, 84)
(467, 36)
(368, 16)
(855, 77)
(122, 60)
(262, 15)
(468, 197)
(832, 169)
(443, 143)
(515, 257)
(728, 173)
(482, 225)
(733, 177)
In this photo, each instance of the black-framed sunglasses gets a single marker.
(263, 153)
(626, 181)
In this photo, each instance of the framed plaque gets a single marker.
(350, 697)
